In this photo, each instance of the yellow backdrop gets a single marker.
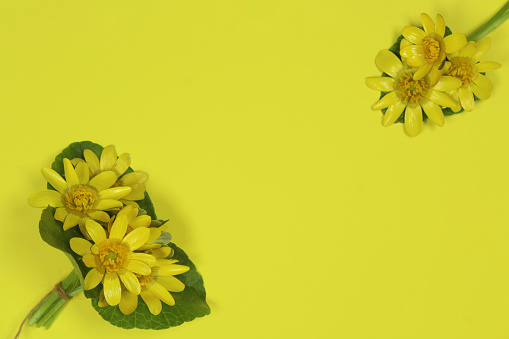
(306, 217)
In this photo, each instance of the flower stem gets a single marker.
(45, 312)
(497, 20)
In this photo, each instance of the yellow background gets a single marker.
(306, 218)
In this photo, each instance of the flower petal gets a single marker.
(483, 46)
(106, 204)
(441, 98)
(434, 112)
(413, 120)
(161, 253)
(434, 75)
(83, 173)
(137, 192)
(468, 51)
(90, 260)
(70, 173)
(96, 231)
(388, 62)
(383, 84)
(139, 267)
(99, 215)
(454, 42)
(130, 281)
(103, 180)
(387, 100)
(115, 192)
(130, 212)
(414, 34)
(108, 158)
(112, 289)
(466, 98)
(422, 71)
(137, 238)
(128, 302)
(92, 161)
(439, 25)
(80, 246)
(119, 227)
(153, 303)
(155, 233)
(481, 93)
(141, 221)
(483, 82)
(427, 23)
(161, 293)
(487, 66)
(179, 269)
(54, 179)
(93, 278)
(132, 178)
(447, 83)
(71, 221)
(60, 214)
(45, 198)
(411, 51)
(171, 283)
(122, 164)
(148, 259)
(393, 113)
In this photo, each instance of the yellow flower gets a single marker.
(409, 95)
(135, 221)
(112, 258)
(428, 48)
(156, 286)
(79, 198)
(465, 65)
(110, 162)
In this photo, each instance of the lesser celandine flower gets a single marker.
(109, 161)
(135, 221)
(113, 259)
(465, 65)
(428, 47)
(409, 95)
(79, 198)
(156, 286)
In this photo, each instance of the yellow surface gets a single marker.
(306, 217)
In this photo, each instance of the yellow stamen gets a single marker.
(113, 255)
(81, 198)
(410, 89)
(430, 49)
(144, 279)
(461, 69)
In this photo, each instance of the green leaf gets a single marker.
(189, 304)
(53, 233)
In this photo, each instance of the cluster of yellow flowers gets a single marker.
(124, 257)
(433, 71)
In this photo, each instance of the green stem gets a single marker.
(497, 20)
(45, 312)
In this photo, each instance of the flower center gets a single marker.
(410, 89)
(143, 279)
(81, 198)
(461, 69)
(113, 255)
(430, 49)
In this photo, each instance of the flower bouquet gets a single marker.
(98, 213)
(431, 72)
